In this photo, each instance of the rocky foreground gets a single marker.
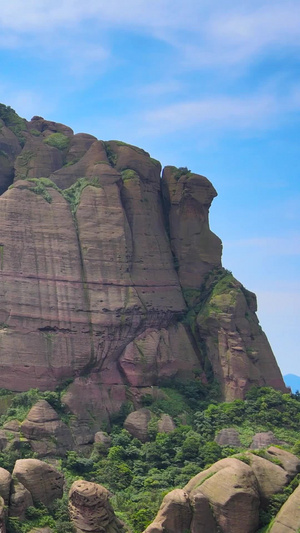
(226, 497)
(110, 276)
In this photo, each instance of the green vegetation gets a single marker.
(111, 155)
(73, 193)
(58, 140)
(129, 175)
(22, 402)
(15, 123)
(181, 171)
(140, 474)
(35, 132)
(135, 148)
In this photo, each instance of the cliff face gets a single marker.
(109, 274)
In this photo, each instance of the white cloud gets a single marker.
(288, 245)
(205, 33)
(160, 88)
(220, 111)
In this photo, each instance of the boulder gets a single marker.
(231, 488)
(102, 438)
(47, 434)
(228, 437)
(90, 509)
(203, 520)
(165, 424)
(174, 515)
(4, 439)
(271, 478)
(20, 500)
(5, 481)
(137, 422)
(289, 462)
(2, 516)
(263, 440)
(288, 518)
(43, 481)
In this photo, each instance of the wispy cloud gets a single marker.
(280, 246)
(204, 33)
(250, 112)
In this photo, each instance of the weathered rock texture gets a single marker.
(102, 265)
(90, 509)
(288, 518)
(44, 482)
(44, 430)
(227, 497)
(228, 437)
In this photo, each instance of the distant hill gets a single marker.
(293, 381)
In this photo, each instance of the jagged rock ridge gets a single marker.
(110, 275)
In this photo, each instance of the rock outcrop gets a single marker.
(288, 518)
(43, 481)
(264, 439)
(227, 497)
(90, 509)
(110, 275)
(20, 500)
(45, 431)
(137, 423)
(228, 437)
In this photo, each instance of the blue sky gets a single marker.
(213, 86)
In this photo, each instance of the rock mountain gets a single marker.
(110, 276)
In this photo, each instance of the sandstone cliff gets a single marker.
(110, 275)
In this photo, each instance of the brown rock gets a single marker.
(4, 439)
(203, 520)
(81, 302)
(137, 422)
(37, 160)
(79, 145)
(90, 509)
(235, 344)
(271, 478)
(196, 248)
(13, 426)
(289, 462)
(20, 500)
(102, 438)
(228, 437)
(43, 481)
(2, 516)
(264, 439)
(5, 481)
(45, 431)
(158, 353)
(166, 424)
(174, 515)
(229, 485)
(288, 518)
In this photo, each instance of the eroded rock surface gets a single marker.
(288, 518)
(102, 266)
(20, 500)
(137, 423)
(90, 509)
(228, 437)
(47, 434)
(264, 439)
(44, 482)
